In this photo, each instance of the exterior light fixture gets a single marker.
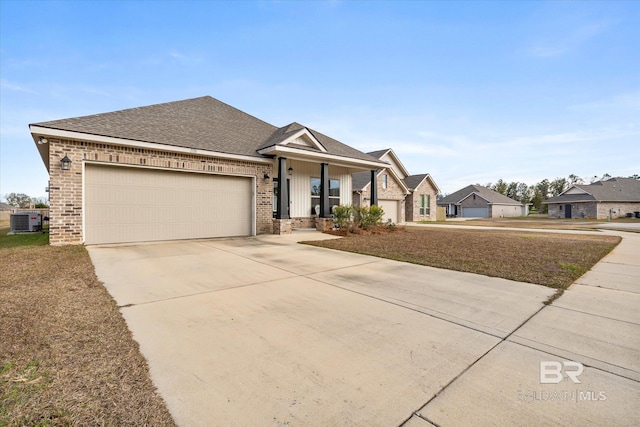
(66, 163)
(42, 140)
(266, 177)
(290, 170)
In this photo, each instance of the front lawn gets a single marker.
(66, 354)
(549, 259)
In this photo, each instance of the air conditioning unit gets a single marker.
(25, 222)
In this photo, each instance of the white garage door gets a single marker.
(390, 208)
(124, 204)
(475, 212)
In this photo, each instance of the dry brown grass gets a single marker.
(549, 259)
(539, 222)
(67, 356)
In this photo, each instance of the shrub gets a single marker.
(367, 217)
(342, 216)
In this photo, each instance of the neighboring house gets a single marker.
(5, 207)
(196, 168)
(613, 198)
(403, 197)
(475, 201)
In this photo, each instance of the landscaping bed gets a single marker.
(549, 259)
(66, 354)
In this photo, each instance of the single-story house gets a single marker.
(476, 201)
(403, 197)
(196, 168)
(612, 198)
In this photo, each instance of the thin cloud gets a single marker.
(6, 85)
(568, 42)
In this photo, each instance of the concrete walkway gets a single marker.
(596, 323)
(264, 331)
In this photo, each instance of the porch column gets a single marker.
(282, 210)
(374, 188)
(325, 211)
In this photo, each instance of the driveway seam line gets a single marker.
(596, 315)
(583, 363)
(416, 412)
(402, 306)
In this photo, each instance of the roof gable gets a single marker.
(612, 190)
(487, 194)
(414, 181)
(389, 156)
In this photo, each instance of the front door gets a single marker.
(275, 196)
(567, 211)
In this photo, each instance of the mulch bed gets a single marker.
(549, 259)
(66, 354)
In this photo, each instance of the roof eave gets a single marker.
(37, 131)
(334, 159)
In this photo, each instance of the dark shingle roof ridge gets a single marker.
(412, 181)
(617, 189)
(486, 193)
(378, 153)
(201, 123)
(157, 104)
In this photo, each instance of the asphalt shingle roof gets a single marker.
(412, 181)
(491, 196)
(202, 123)
(611, 190)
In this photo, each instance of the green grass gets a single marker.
(22, 239)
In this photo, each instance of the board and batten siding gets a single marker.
(300, 185)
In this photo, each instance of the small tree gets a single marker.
(18, 200)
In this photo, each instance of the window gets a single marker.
(560, 207)
(384, 181)
(334, 194)
(425, 204)
(275, 196)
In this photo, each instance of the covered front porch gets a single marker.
(306, 190)
(312, 174)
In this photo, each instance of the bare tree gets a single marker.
(18, 200)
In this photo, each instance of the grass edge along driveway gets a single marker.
(67, 356)
(550, 259)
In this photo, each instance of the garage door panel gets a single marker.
(137, 205)
(475, 212)
(390, 208)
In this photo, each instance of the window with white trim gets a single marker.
(425, 204)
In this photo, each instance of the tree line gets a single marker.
(543, 190)
(21, 200)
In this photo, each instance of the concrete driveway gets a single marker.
(264, 331)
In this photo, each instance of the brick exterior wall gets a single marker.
(593, 210)
(303, 222)
(393, 192)
(412, 203)
(65, 195)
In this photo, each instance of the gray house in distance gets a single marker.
(614, 198)
(476, 201)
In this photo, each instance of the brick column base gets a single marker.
(324, 224)
(281, 226)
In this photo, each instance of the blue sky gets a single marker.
(469, 92)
